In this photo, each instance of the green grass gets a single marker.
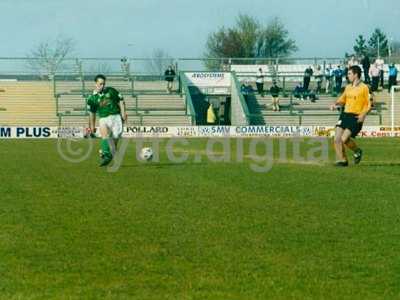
(198, 230)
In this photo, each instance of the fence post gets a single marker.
(291, 105)
(133, 85)
(284, 86)
(54, 86)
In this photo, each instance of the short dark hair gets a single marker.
(100, 76)
(356, 70)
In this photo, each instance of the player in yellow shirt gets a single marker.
(356, 102)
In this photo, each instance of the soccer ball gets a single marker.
(146, 154)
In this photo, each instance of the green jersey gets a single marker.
(105, 103)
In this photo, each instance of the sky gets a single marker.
(134, 28)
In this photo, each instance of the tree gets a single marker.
(378, 44)
(238, 41)
(159, 62)
(361, 47)
(48, 57)
(248, 39)
(395, 47)
(274, 41)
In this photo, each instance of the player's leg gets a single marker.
(351, 144)
(341, 158)
(346, 136)
(116, 131)
(277, 104)
(105, 141)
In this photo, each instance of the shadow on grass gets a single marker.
(380, 164)
(163, 165)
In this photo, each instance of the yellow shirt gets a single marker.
(356, 99)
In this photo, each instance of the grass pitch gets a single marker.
(198, 230)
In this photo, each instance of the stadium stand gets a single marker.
(62, 102)
(27, 104)
(298, 112)
(147, 103)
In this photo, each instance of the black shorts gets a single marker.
(350, 122)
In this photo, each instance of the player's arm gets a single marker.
(92, 115)
(367, 106)
(122, 107)
(339, 102)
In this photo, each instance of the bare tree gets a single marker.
(159, 62)
(48, 57)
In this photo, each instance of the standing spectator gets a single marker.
(169, 78)
(374, 73)
(211, 117)
(338, 74)
(260, 82)
(275, 90)
(392, 76)
(246, 89)
(371, 96)
(307, 78)
(366, 64)
(352, 62)
(222, 114)
(328, 78)
(319, 77)
(346, 71)
(380, 64)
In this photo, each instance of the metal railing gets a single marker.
(238, 104)
(189, 107)
(30, 69)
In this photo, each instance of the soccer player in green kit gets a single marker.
(109, 104)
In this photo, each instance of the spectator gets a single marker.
(328, 77)
(211, 117)
(246, 89)
(345, 73)
(307, 78)
(374, 73)
(338, 74)
(299, 91)
(319, 77)
(371, 96)
(312, 96)
(221, 113)
(366, 64)
(169, 78)
(380, 64)
(392, 76)
(353, 62)
(260, 82)
(275, 90)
